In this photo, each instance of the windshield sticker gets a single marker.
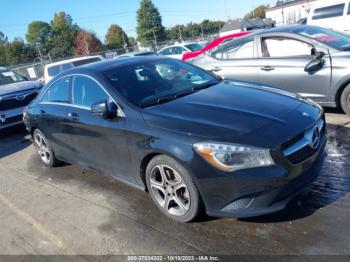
(8, 73)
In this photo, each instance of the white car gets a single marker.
(331, 14)
(54, 69)
(177, 51)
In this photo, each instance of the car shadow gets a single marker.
(332, 184)
(13, 139)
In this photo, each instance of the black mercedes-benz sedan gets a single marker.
(195, 143)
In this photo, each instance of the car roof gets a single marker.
(72, 60)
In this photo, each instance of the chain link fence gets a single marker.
(35, 70)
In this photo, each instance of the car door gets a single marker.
(282, 61)
(235, 59)
(99, 143)
(52, 120)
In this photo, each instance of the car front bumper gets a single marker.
(258, 191)
(11, 117)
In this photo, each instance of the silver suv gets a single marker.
(15, 93)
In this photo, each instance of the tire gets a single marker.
(172, 190)
(44, 149)
(345, 100)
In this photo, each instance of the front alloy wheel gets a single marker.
(172, 189)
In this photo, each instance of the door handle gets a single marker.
(267, 68)
(215, 69)
(73, 116)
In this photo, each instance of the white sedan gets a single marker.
(177, 51)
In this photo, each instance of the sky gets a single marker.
(98, 15)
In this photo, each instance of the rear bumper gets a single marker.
(258, 191)
(11, 117)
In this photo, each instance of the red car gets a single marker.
(212, 44)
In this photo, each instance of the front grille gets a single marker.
(300, 145)
(14, 102)
(292, 141)
(11, 120)
(302, 154)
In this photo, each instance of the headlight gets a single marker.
(231, 157)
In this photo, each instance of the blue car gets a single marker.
(194, 142)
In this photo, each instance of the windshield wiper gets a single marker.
(165, 99)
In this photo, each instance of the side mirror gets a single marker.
(105, 109)
(317, 63)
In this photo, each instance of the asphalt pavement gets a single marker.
(72, 210)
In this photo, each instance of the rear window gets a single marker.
(328, 11)
(86, 61)
(194, 46)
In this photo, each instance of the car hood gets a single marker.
(232, 110)
(18, 87)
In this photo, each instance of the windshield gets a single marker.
(158, 81)
(9, 77)
(194, 46)
(328, 37)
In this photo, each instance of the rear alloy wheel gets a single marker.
(172, 189)
(43, 149)
(345, 100)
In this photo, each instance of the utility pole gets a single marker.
(154, 37)
(125, 44)
(202, 29)
(40, 55)
(180, 33)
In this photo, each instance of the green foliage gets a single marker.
(258, 12)
(17, 52)
(64, 32)
(38, 31)
(149, 23)
(62, 22)
(116, 37)
(3, 38)
(193, 29)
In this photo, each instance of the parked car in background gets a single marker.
(15, 93)
(213, 44)
(194, 142)
(138, 53)
(54, 69)
(178, 50)
(333, 14)
(309, 60)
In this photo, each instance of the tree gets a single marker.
(17, 52)
(258, 12)
(116, 37)
(64, 34)
(61, 22)
(38, 31)
(87, 43)
(3, 38)
(149, 23)
(38, 36)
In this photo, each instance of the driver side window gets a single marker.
(86, 92)
(284, 47)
